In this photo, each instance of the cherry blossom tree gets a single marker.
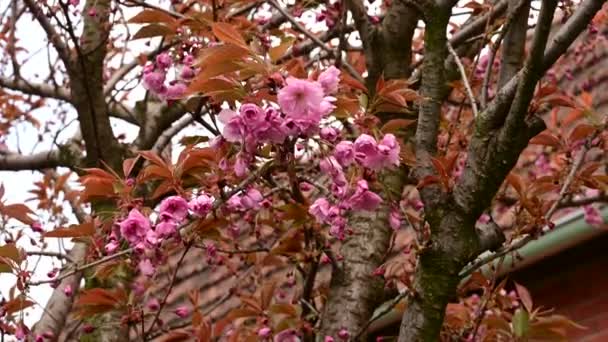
(325, 131)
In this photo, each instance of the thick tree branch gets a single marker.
(117, 110)
(453, 238)
(38, 161)
(38, 89)
(359, 13)
(514, 45)
(532, 71)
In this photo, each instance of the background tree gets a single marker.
(317, 150)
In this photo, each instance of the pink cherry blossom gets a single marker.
(366, 151)
(300, 98)
(146, 268)
(395, 218)
(252, 199)
(165, 228)
(175, 91)
(201, 205)
(377, 156)
(164, 61)
(343, 334)
(134, 227)
(252, 114)
(363, 198)
(329, 80)
(344, 153)
(187, 73)
(329, 133)
(154, 81)
(37, 227)
(320, 209)
(241, 164)
(175, 206)
(389, 148)
(111, 247)
(188, 60)
(234, 129)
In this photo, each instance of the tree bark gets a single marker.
(59, 305)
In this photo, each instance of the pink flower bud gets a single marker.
(182, 312)
(68, 291)
(264, 332)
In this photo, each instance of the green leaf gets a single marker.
(520, 322)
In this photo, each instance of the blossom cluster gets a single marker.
(303, 104)
(155, 76)
(365, 152)
(140, 234)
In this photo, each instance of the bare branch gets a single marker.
(465, 80)
(165, 138)
(478, 25)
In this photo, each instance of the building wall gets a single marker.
(575, 283)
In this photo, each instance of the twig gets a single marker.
(465, 80)
(82, 268)
(383, 312)
(57, 255)
(315, 40)
(164, 301)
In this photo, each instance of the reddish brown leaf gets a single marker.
(177, 336)
(10, 251)
(516, 183)
(228, 34)
(152, 16)
(127, 166)
(395, 125)
(18, 304)
(153, 30)
(267, 293)
(546, 138)
(19, 212)
(153, 158)
(279, 51)
(581, 131)
(75, 230)
(524, 297)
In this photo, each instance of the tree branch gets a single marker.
(465, 80)
(53, 36)
(37, 161)
(513, 49)
(38, 89)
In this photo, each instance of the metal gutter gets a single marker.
(570, 230)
